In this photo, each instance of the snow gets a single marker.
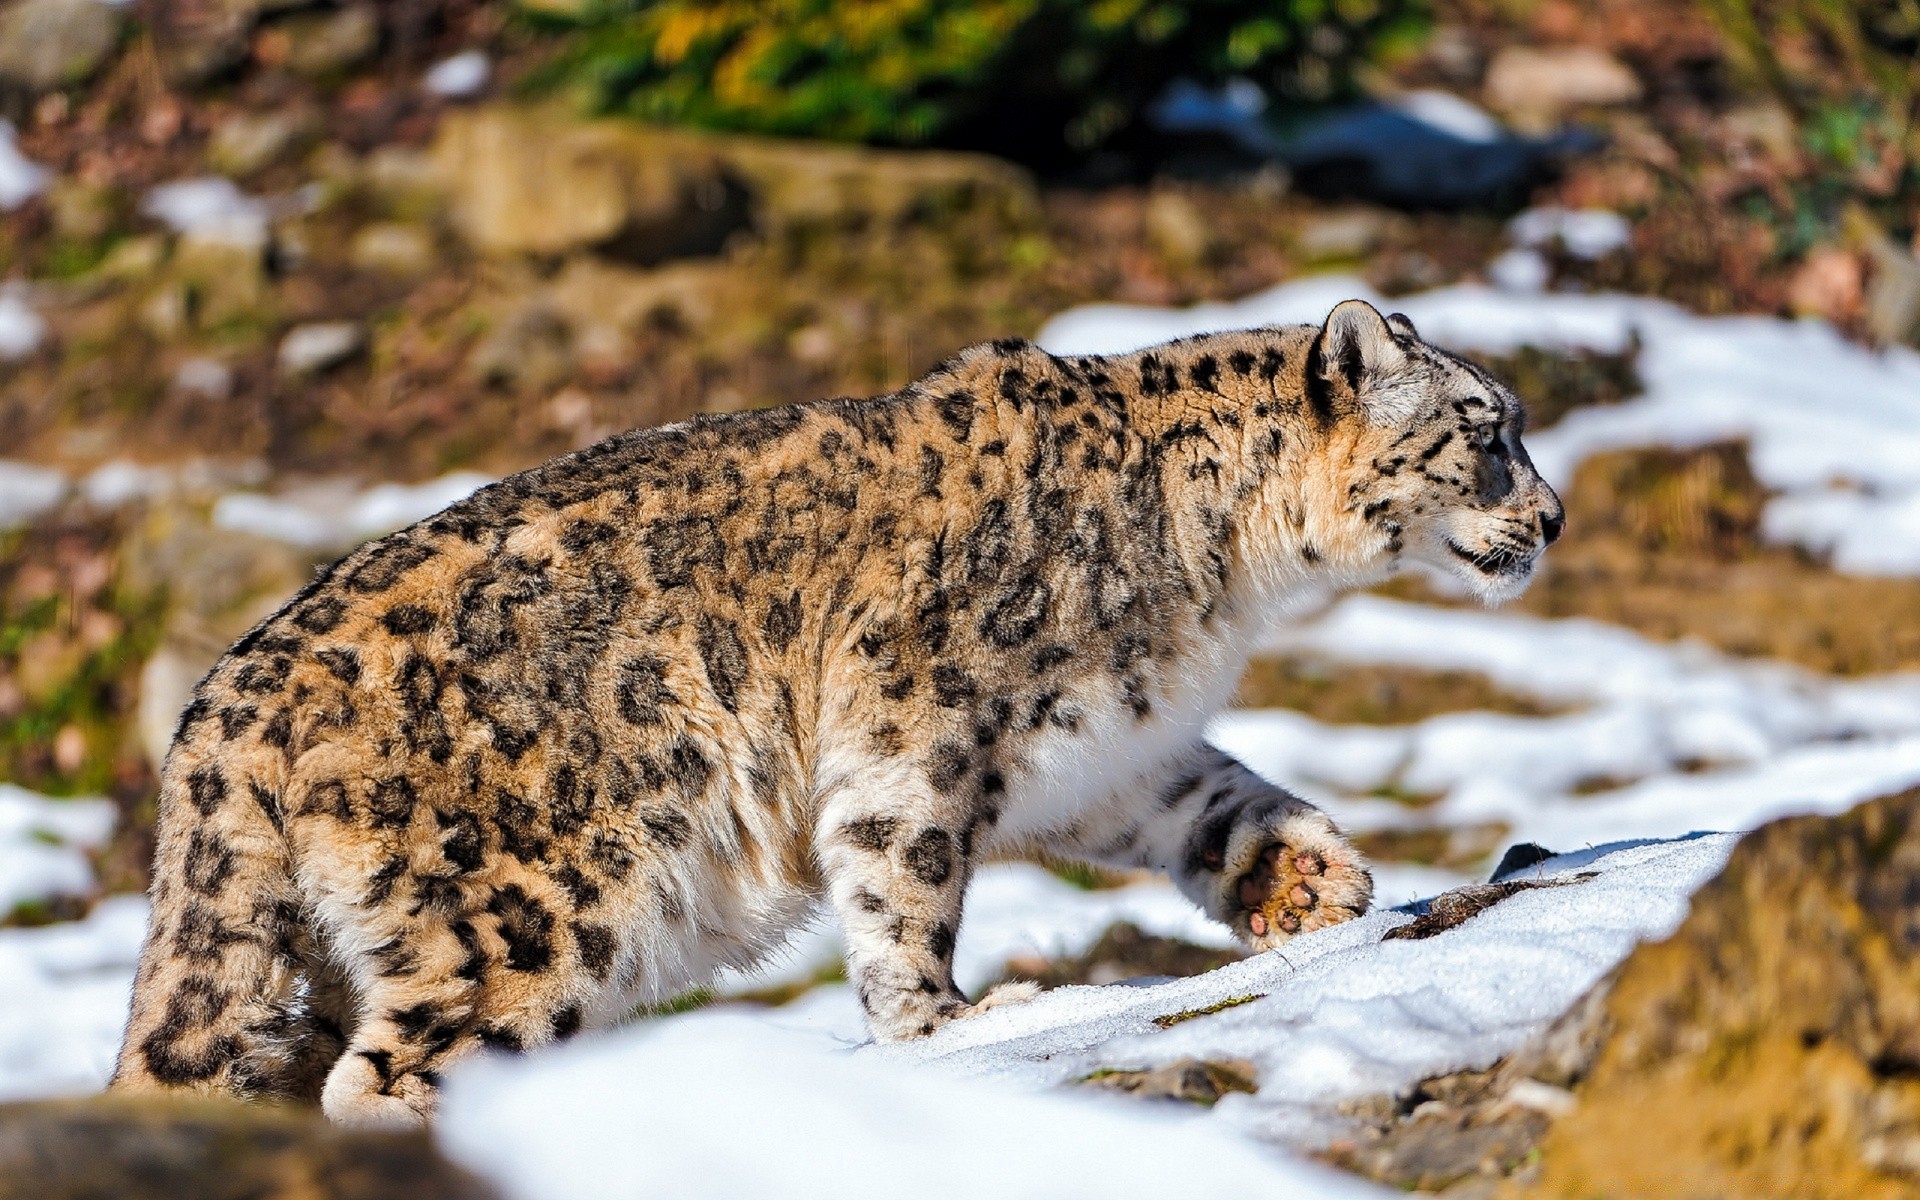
(461, 75)
(1520, 270)
(20, 178)
(333, 516)
(21, 328)
(43, 845)
(1450, 114)
(1832, 425)
(26, 491)
(1663, 738)
(791, 1104)
(1344, 1014)
(719, 1105)
(63, 999)
(210, 208)
(1587, 233)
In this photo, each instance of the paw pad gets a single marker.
(1283, 889)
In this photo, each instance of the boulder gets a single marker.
(198, 39)
(1176, 229)
(1534, 86)
(532, 181)
(538, 181)
(150, 1149)
(247, 143)
(47, 44)
(319, 346)
(396, 248)
(796, 184)
(327, 43)
(1771, 1046)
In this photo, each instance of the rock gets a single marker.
(47, 44)
(535, 182)
(1346, 234)
(590, 293)
(208, 378)
(1194, 1081)
(226, 280)
(393, 248)
(1462, 904)
(149, 1149)
(1176, 229)
(1771, 1046)
(324, 44)
(247, 143)
(219, 583)
(1124, 951)
(1830, 284)
(1535, 86)
(530, 350)
(800, 185)
(1521, 856)
(84, 212)
(134, 259)
(198, 39)
(320, 346)
(1893, 298)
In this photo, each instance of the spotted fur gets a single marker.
(618, 721)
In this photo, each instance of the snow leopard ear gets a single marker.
(1402, 325)
(1357, 347)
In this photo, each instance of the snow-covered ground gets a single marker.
(1649, 741)
(726, 1103)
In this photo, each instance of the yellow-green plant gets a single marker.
(1039, 76)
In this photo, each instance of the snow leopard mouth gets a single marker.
(1496, 560)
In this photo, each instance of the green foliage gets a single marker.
(1015, 75)
(1819, 52)
(1849, 73)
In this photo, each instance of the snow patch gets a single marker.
(63, 999)
(210, 208)
(1449, 114)
(461, 75)
(43, 845)
(1342, 1013)
(721, 1105)
(1587, 233)
(21, 179)
(333, 516)
(21, 329)
(26, 491)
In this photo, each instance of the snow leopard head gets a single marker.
(1435, 466)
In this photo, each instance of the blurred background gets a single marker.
(280, 275)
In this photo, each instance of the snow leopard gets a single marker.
(617, 722)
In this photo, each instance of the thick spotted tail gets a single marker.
(218, 1003)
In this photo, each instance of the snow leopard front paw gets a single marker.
(1296, 875)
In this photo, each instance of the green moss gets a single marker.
(96, 697)
(1081, 875)
(684, 1003)
(1171, 1019)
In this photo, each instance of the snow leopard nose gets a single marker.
(1551, 523)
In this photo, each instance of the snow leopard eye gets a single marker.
(1489, 436)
